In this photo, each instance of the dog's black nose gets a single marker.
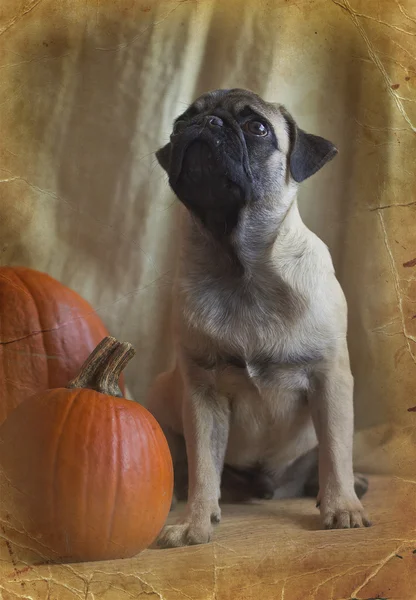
(214, 122)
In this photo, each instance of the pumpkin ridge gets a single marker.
(87, 469)
(34, 297)
(13, 284)
(143, 447)
(29, 293)
(54, 493)
(116, 468)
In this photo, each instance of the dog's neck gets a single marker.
(252, 243)
(262, 226)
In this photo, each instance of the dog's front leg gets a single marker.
(206, 424)
(331, 403)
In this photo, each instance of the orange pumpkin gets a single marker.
(46, 333)
(89, 473)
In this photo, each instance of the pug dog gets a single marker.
(261, 393)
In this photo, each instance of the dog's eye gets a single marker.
(256, 128)
(179, 126)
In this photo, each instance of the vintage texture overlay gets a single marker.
(88, 91)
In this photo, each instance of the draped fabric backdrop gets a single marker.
(89, 90)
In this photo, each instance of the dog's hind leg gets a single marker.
(300, 479)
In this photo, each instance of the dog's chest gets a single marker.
(248, 334)
(244, 315)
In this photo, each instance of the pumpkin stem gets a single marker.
(102, 369)
(108, 376)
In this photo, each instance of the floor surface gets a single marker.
(268, 550)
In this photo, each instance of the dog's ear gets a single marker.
(308, 153)
(163, 156)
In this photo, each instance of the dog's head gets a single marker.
(231, 149)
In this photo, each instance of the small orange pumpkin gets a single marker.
(89, 472)
(46, 332)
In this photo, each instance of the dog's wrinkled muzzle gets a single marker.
(195, 151)
(199, 161)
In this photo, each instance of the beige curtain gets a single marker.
(88, 93)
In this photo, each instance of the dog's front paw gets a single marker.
(185, 534)
(343, 513)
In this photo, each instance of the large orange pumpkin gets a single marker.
(46, 332)
(88, 473)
